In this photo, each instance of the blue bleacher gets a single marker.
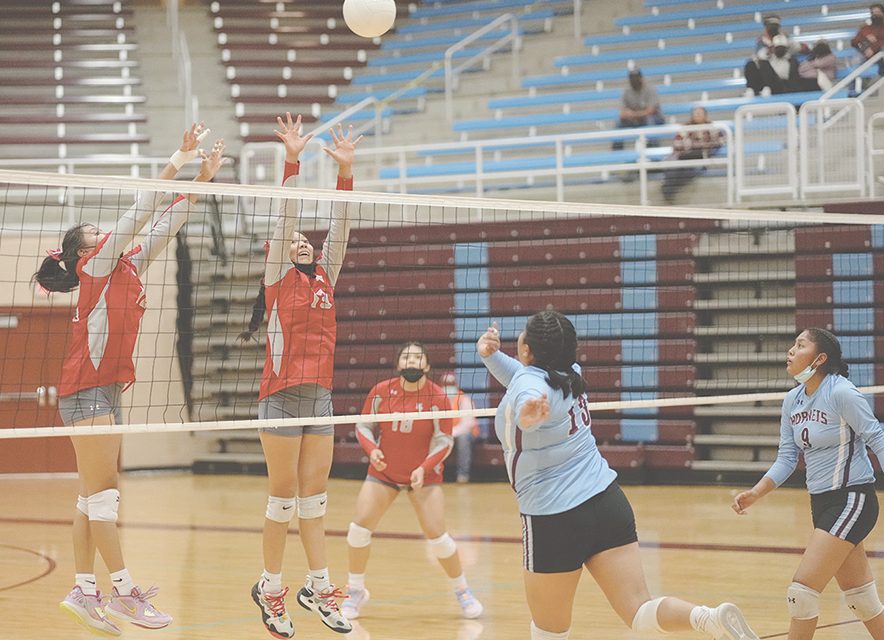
(782, 7)
(442, 42)
(500, 6)
(353, 98)
(698, 87)
(426, 57)
(467, 23)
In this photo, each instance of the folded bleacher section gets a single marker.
(70, 79)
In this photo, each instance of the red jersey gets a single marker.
(301, 332)
(301, 326)
(105, 326)
(408, 444)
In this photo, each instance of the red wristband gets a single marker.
(345, 184)
(291, 169)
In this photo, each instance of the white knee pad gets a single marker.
(103, 506)
(864, 601)
(645, 620)
(803, 602)
(281, 509)
(83, 505)
(312, 506)
(443, 546)
(358, 537)
(539, 634)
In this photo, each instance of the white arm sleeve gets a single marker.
(278, 260)
(127, 227)
(335, 246)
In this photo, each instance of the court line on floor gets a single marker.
(393, 535)
(50, 566)
(400, 536)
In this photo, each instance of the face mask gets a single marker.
(807, 374)
(877, 19)
(306, 269)
(412, 374)
(450, 391)
(780, 52)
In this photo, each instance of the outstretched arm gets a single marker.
(176, 214)
(500, 365)
(278, 261)
(146, 204)
(335, 246)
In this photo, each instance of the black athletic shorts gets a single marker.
(849, 513)
(564, 541)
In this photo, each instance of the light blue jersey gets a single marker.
(832, 428)
(556, 465)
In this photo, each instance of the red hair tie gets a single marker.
(55, 254)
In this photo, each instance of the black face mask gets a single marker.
(877, 19)
(306, 269)
(412, 374)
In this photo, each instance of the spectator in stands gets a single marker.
(870, 36)
(466, 429)
(817, 71)
(639, 106)
(776, 73)
(694, 144)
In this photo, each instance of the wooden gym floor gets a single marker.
(198, 538)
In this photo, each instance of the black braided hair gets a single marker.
(258, 309)
(827, 343)
(54, 277)
(553, 341)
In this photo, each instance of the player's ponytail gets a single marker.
(553, 341)
(58, 271)
(827, 343)
(258, 309)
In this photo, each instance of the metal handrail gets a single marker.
(850, 77)
(452, 73)
(560, 142)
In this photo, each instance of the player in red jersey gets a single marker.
(298, 291)
(99, 367)
(406, 455)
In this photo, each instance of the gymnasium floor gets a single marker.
(197, 537)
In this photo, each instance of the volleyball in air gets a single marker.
(369, 18)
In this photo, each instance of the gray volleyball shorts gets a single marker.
(301, 401)
(94, 402)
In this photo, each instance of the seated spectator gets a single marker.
(870, 36)
(776, 74)
(817, 72)
(639, 106)
(691, 145)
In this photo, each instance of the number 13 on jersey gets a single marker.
(580, 418)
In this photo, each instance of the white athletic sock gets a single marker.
(540, 634)
(356, 580)
(320, 579)
(459, 583)
(87, 583)
(270, 582)
(701, 617)
(122, 581)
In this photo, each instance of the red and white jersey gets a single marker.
(301, 325)
(301, 332)
(105, 325)
(407, 444)
(111, 298)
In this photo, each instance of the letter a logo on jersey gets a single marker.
(321, 300)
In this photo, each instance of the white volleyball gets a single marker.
(369, 18)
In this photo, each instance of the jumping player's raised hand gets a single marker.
(193, 137)
(534, 411)
(489, 342)
(345, 149)
(376, 458)
(417, 478)
(212, 162)
(290, 134)
(744, 500)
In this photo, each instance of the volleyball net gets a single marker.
(684, 315)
